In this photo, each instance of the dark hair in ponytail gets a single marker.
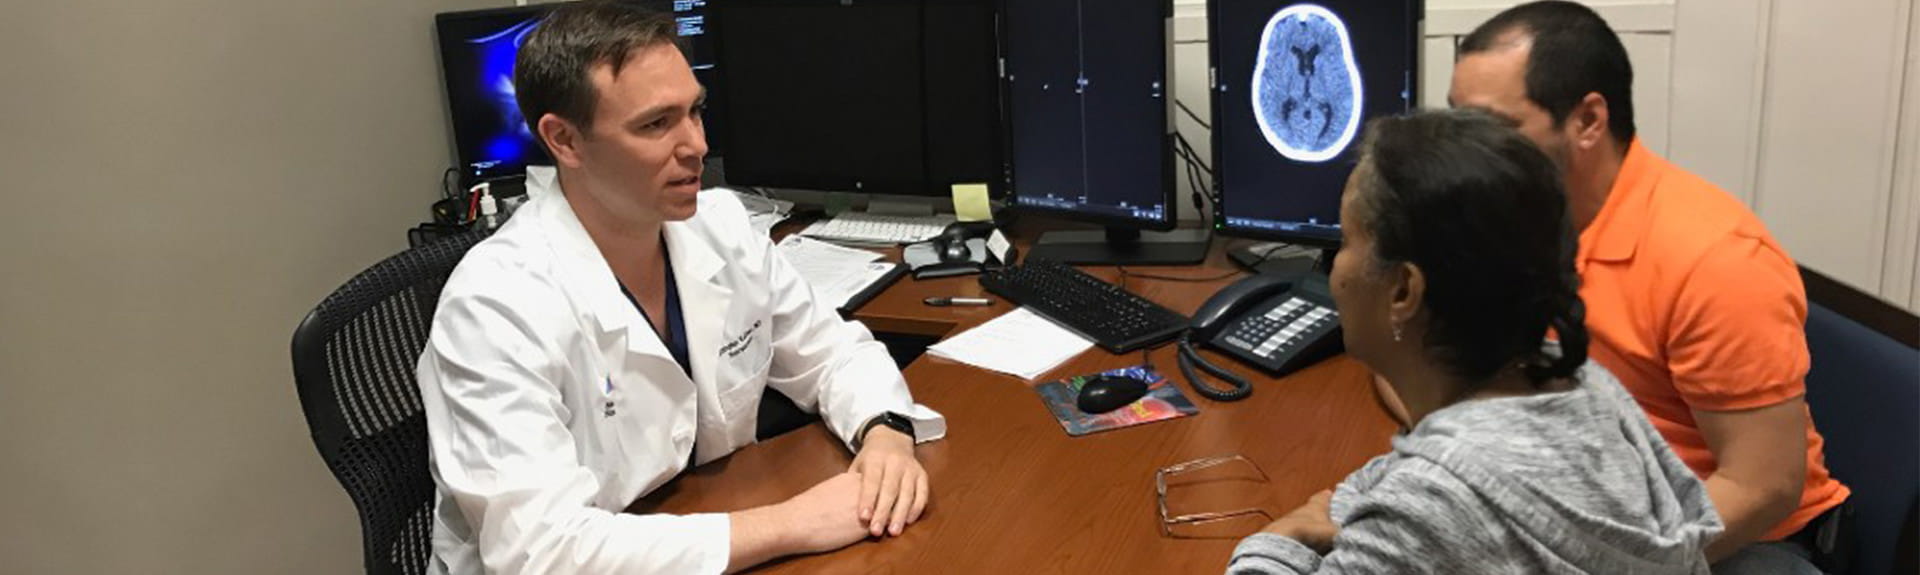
(1569, 322)
(1482, 212)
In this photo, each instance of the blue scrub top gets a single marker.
(676, 327)
(676, 324)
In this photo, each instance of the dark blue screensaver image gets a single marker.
(506, 139)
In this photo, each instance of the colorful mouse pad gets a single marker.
(1163, 401)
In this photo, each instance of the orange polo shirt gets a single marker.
(1692, 304)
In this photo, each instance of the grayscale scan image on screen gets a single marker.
(1294, 83)
(1306, 87)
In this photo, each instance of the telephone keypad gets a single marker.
(1284, 328)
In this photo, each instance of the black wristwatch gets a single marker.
(896, 421)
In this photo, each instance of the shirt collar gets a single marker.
(690, 254)
(1614, 234)
(693, 257)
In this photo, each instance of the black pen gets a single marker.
(957, 301)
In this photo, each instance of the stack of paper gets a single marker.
(1020, 343)
(836, 273)
(763, 212)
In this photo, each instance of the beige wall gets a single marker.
(183, 181)
(1796, 106)
(1825, 168)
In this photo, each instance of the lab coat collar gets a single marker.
(704, 301)
(695, 265)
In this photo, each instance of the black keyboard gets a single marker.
(1114, 318)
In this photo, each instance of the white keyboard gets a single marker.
(870, 229)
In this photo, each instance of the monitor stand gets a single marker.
(1282, 258)
(1123, 246)
(880, 206)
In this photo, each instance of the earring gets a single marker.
(1396, 332)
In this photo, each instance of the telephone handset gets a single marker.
(1279, 323)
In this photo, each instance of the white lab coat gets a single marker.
(551, 404)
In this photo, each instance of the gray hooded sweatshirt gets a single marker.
(1567, 482)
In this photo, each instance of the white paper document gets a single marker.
(835, 273)
(764, 223)
(762, 212)
(1020, 343)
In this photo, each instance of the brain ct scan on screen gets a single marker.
(1306, 85)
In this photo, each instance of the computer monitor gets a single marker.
(1294, 84)
(697, 39)
(1087, 109)
(893, 97)
(477, 51)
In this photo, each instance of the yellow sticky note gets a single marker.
(970, 203)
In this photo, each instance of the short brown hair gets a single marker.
(550, 73)
(1574, 53)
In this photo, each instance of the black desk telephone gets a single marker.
(1278, 323)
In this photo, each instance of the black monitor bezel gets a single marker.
(719, 95)
(1217, 195)
(1169, 191)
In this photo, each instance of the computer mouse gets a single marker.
(1107, 392)
(953, 246)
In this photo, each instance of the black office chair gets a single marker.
(353, 363)
(1863, 391)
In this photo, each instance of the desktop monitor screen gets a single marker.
(1087, 110)
(477, 51)
(875, 96)
(1294, 84)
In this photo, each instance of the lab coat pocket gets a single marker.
(743, 363)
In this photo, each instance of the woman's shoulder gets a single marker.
(1527, 430)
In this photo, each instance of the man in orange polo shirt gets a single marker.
(1689, 300)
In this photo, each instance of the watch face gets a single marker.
(898, 423)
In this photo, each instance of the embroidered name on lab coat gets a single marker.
(739, 344)
(608, 411)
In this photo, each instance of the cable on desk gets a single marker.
(1146, 357)
(1185, 149)
(1190, 114)
(446, 187)
(1125, 273)
(1197, 186)
(1195, 168)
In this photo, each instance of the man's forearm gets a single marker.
(758, 536)
(1761, 455)
(1748, 511)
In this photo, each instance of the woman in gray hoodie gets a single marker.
(1523, 457)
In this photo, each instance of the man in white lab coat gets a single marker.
(622, 327)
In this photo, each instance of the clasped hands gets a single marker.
(883, 492)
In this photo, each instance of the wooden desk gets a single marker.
(1012, 493)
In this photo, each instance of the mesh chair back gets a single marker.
(353, 363)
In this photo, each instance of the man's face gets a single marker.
(1496, 81)
(643, 152)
